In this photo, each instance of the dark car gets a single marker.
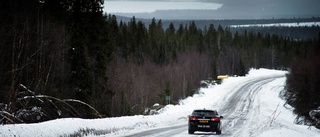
(204, 120)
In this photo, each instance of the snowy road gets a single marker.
(237, 108)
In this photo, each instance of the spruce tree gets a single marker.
(83, 32)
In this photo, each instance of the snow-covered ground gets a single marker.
(273, 119)
(295, 24)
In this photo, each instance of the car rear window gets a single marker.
(204, 112)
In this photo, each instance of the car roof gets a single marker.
(204, 110)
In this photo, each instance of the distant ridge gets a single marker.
(213, 14)
(201, 23)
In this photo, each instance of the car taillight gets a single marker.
(192, 118)
(215, 119)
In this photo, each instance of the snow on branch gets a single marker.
(315, 115)
(57, 99)
(4, 114)
(28, 107)
(26, 89)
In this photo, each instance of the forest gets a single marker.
(66, 58)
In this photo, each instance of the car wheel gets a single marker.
(218, 132)
(190, 132)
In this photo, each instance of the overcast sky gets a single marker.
(230, 8)
(141, 6)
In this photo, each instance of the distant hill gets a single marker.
(201, 23)
(223, 13)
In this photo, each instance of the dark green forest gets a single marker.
(65, 58)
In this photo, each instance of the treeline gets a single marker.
(295, 32)
(228, 22)
(69, 49)
(302, 89)
(218, 50)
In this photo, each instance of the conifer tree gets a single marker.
(181, 38)
(123, 40)
(171, 43)
(83, 35)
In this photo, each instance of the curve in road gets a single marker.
(237, 110)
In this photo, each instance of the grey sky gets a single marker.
(150, 7)
(259, 8)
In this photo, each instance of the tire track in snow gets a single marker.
(239, 106)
